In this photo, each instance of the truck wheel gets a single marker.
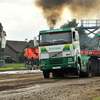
(89, 71)
(46, 74)
(78, 69)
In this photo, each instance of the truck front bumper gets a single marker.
(58, 66)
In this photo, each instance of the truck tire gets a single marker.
(46, 74)
(89, 71)
(77, 70)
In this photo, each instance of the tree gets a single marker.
(72, 23)
(82, 34)
(21, 54)
(1, 29)
(4, 33)
(32, 42)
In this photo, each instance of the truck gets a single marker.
(59, 53)
(31, 52)
(92, 46)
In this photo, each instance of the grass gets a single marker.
(97, 98)
(12, 66)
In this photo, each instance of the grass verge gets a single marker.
(97, 98)
(15, 66)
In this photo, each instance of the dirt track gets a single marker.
(35, 87)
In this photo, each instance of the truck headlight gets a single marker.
(70, 59)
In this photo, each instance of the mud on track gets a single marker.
(35, 87)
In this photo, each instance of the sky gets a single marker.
(21, 19)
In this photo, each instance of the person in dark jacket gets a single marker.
(32, 61)
(37, 60)
(25, 60)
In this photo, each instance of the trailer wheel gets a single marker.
(89, 71)
(46, 74)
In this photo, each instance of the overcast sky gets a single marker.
(21, 19)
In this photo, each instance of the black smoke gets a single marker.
(52, 9)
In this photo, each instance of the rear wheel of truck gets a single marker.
(89, 71)
(46, 74)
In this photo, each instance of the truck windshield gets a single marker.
(55, 38)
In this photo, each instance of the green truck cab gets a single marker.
(59, 53)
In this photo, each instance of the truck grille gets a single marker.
(56, 61)
(55, 55)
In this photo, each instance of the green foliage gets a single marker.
(21, 54)
(16, 61)
(72, 23)
(1, 29)
(4, 33)
(82, 34)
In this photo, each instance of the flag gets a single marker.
(3, 43)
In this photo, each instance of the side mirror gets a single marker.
(77, 37)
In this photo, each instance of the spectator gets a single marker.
(32, 61)
(25, 60)
(37, 61)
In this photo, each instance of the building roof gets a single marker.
(16, 45)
